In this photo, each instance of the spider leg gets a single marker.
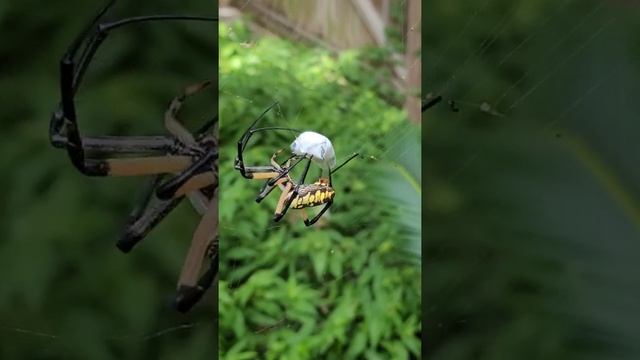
(147, 196)
(279, 179)
(168, 189)
(286, 171)
(185, 300)
(124, 144)
(171, 115)
(244, 139)
(199, 201)
(282, 210)
(65, 133)
(242, 143)
(145, 218)
(287, 162)
(64, 128)
(143, 165)
(197, 182)
(267, 189)
(353, 156)
(154, 210)
(142, 222)
(268, 185)
(239, 165)
(304, 173)
(428, 103)
(287, 193)
(209, 125)
(308, 222)
(190, 288)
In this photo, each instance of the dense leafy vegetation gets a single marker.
(349, 286)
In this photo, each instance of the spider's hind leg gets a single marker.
(145, 217)
(203, 245)
(308, 222)
(288, 195)
(188, 296)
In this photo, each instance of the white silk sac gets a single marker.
(316, 145)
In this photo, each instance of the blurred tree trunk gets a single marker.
(412, 60)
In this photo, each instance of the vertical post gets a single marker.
(412, 60)
(384, 11)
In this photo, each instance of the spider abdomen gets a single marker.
(312, 195)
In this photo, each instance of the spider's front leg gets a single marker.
(281, 179)
(171, 122)
(290, 193)
(239, 165)
(199, 173)
(64, 130)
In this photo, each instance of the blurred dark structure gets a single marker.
(532, 205)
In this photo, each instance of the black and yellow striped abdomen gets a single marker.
(312, 195)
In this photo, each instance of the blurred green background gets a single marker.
(347, 287)
(531, 215)
(66, 292)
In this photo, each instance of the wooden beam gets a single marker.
(412, 61)
(375, 24)
(384, 10)
(371, 19)
(282, 26)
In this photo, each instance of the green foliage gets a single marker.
(398, 181)
(338, 289)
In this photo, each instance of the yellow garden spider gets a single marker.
(307, 145)
(189, 161)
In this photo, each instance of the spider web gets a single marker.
(518, 101)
